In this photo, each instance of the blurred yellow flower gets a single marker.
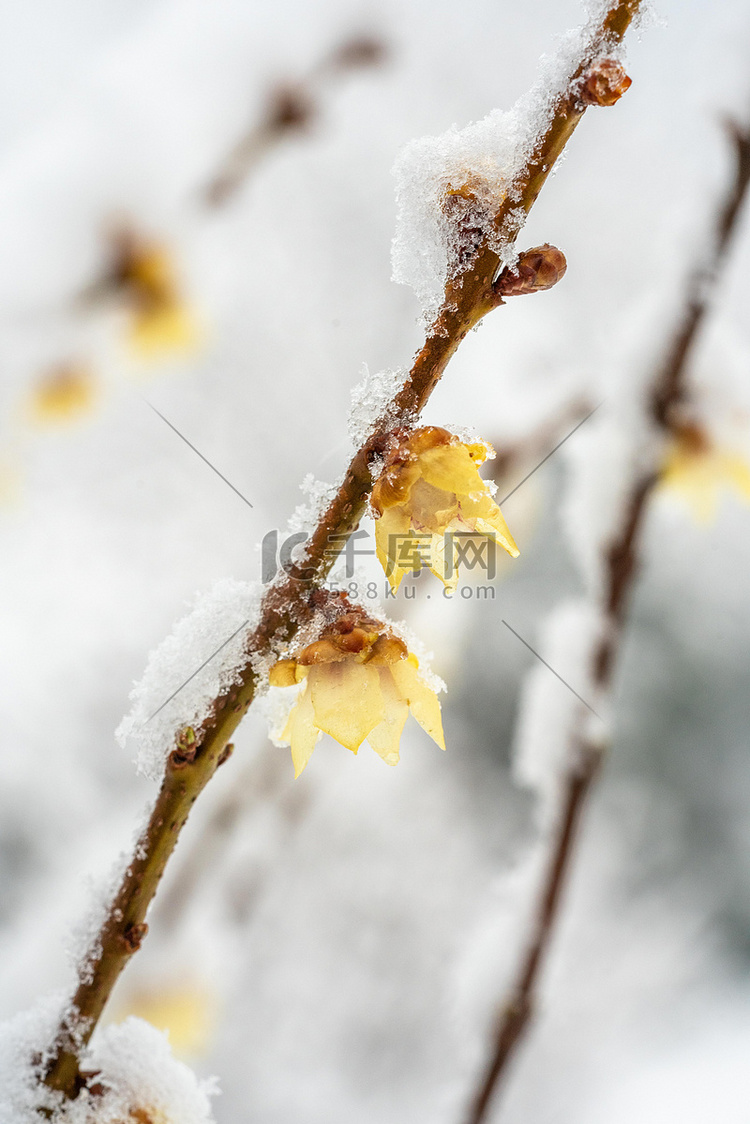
(429, 494)
(358, 682)
(63, 394)
(698, 472)
(187, 1011)
(144, 274)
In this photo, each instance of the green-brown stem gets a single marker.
(285, 607)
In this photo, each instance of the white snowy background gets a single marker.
(347, 938)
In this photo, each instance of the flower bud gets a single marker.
(605, 83)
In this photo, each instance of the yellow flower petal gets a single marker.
(736, 471)
(186, 1011)
(163, 328)
(385, 738)
(431, 508)
(423, 702)
(282, 674)
(347, 701)
(483, 514)
(390, 529)
(63, 395)
(301, 732)
(699, 474)
(438, 564)
(451, 468)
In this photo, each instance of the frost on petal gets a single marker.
(347, 701)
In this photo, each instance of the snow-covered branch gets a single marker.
(478, 208)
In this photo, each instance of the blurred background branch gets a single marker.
(666, 410)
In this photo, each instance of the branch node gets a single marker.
(187, 747)
(225, 754)
(132, 936)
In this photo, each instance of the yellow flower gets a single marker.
(63, 394)
(358, 682)
(698, 471)
(429, 491)
(186, 1010)
(161, 321)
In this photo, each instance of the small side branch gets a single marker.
(290, 109)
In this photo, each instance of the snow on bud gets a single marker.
(605, 83)
(429, 491)
(359, 681)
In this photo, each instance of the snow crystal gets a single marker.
(549, 709)
(202, 657)
(84, 942)
(372, 402)
(135, 1070)
(319, 495)
(486, 157)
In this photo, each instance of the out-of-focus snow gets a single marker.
(549, 709)
(134, 1068)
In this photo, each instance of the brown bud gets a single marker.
(133, 935)
(692, 438)
(282, 674)
(364, 50)
(358, 640)
(320, 651)
(388, 650)
(536, 270)
(605, 83)
(290, 108)
(225, 754)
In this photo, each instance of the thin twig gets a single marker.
(290, 109)
(286, 606)
(622, 556)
